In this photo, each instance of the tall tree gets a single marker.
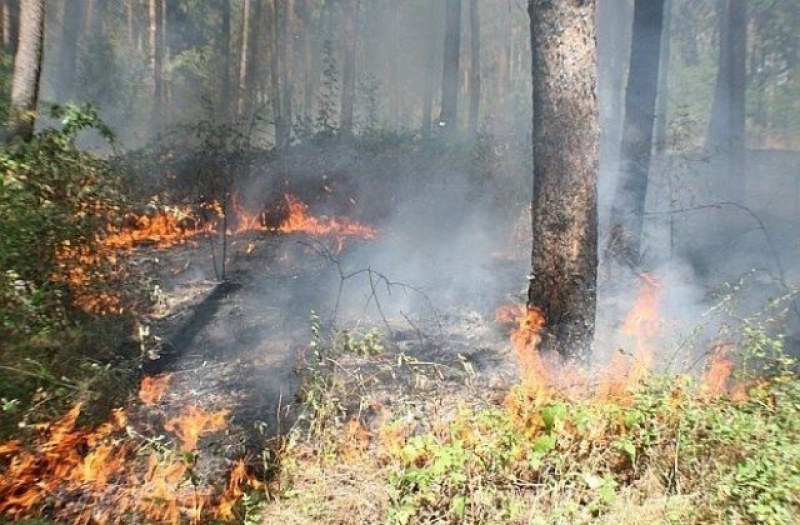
(475, 67)
(726, 130)
(662, 102)
(244, 55)
(223, 103)
(450, 68)
(349, 66)
(565, 165)
(155, 13)
(283, 34)
(627, 213)
(71, 30)
(430, 69)
(27, 71)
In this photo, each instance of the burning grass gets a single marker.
(94, 271)
(620, 445)
(111, 473)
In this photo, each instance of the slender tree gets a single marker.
(244, 55)
(475, 67)
(349, 67)
(565, 165)
(283, 14)
(450, 68)
(157, 62)
(637, 140)
(662, 103)
(430, 69)
(223, 101)
(27, 71)
(68, 54)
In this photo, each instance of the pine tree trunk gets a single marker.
(475, 67)
(27, 71)
(565, 146)
(253, 73)
(637, 141)
(450, 68)
(349, 67)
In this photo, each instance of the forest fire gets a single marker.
(88, 269)
(624, 372)
(70, 470)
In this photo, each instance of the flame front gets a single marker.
(76, 472)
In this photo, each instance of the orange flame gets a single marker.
(101, 469)
(719, 370)
(153, 388)
(194, 423)
(525, 338)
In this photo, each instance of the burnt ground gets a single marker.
(237, 344)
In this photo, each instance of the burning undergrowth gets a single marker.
(111, 472)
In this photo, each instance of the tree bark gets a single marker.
(27, 71)
(726, 131)
(565, 164)
(627, 213)
(452, 53)
(475, 68)
(349, 67)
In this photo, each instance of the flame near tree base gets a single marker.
(545, 376)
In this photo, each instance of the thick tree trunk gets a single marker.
(27, 71)
(726, 131)
(637, 140)
(565, 153)
(475, 67)
(349, 67)
(450, 68)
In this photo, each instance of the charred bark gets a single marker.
(627, 213)
(450, 68)
(27, 71)
(565, 146)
